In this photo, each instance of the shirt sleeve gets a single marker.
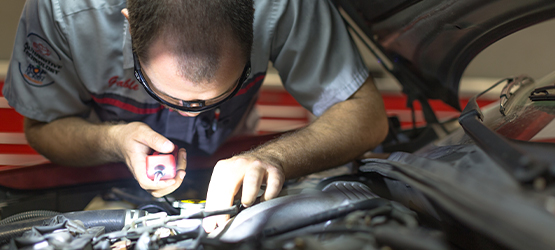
(317, 60)
(42, 83)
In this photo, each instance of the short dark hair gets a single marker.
(194, 30)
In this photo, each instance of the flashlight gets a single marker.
(161, 166)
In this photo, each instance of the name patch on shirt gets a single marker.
(42, 62)
(129, 83)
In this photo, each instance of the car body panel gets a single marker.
(430, 43)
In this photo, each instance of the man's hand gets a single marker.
(134, 141)
(249, 171)
(344, 132)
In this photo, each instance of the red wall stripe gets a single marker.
(251, 84)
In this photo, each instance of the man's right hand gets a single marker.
(133, 141)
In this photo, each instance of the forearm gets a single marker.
(73, 141)
(345, 131)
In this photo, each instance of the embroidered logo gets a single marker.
(129, 83)
(41, 49)
(34, 74)
(42, 62)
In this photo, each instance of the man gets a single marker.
(74, 66)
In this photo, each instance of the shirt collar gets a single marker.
(127, 50)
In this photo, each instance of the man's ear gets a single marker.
(125, 13)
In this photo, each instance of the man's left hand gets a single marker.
(250, 172)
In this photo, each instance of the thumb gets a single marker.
(157, 142)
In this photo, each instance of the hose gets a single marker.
(28, 215)
(17, 229)
(112, 220)
(325, 216)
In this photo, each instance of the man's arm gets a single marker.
(345, 131)
(73, 141)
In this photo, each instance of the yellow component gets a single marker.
(193, 201)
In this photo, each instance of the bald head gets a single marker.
(198, 32)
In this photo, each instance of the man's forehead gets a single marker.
(164, 70)
(173, 85)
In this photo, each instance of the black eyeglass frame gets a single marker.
(195, 106)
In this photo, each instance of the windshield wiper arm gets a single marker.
(542, 94)
(522, 167)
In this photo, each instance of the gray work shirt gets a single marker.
(73, 58)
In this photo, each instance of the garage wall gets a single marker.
(530, 51)
(10, 10)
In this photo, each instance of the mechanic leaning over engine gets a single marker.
(108, 80)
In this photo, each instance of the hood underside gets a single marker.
(428, 44)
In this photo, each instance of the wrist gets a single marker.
(111, 143)
(268, 155)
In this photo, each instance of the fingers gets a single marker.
(181, 162)
(251, 185)
(274, 184)
(135, 140)
(227, 178)
(224, 184)
(170, 186)
(156, 141)
(137, 160)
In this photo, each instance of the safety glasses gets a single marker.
(194, 106)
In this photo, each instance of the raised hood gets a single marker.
(427, 44)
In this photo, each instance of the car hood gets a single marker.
(427, 45)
